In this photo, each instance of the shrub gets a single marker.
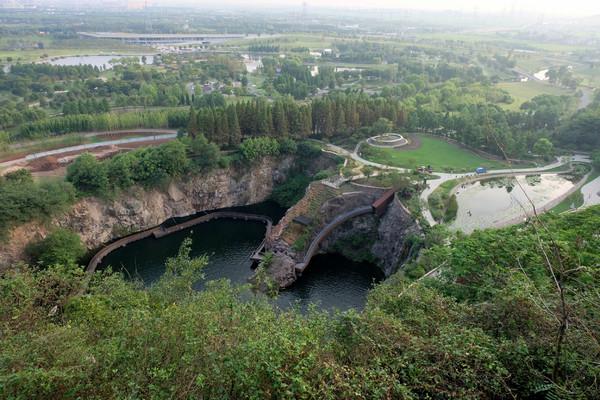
(287, 146)
(291, 191)
(254, 149)
(23, 201)
(88, 175)
(59, 247)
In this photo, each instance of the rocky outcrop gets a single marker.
(394, 233)
(384, 241)
(98, 221)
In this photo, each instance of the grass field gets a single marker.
(525, 91)
(441, 155)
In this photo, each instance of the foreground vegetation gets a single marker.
(490, 326)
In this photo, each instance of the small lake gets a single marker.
(493, 202)
(100, 61)
(330, 282)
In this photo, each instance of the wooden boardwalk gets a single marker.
(160, 231)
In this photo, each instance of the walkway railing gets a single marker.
(160, 231)
(326, 231)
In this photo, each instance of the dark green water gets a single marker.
(331, 281)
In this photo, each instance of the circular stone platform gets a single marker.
(388, 140)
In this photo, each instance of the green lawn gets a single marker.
(441, 155)
(525, 91)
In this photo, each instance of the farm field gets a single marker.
(522, 92)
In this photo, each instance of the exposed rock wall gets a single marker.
(98, 221)
(383, 241)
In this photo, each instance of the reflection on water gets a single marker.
(96, 61)
(491, 203)
(331, 281)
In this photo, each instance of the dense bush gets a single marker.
(23, 200)
(479, 331)
(59, 247)
(147, 166)
(291, 191)
(254, 149)
(204, 155)
(88, 175)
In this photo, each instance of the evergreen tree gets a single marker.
(235, 134)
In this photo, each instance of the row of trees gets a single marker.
(337, 114)
(90, 106)
(103, 122)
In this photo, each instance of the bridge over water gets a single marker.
(378, 207)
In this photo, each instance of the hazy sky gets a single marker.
(547, 7)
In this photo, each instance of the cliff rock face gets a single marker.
(98, 221)
(382, 241)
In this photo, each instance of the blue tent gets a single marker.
(481, 170)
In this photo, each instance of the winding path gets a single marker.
(156, 135)
(326, 231)
(160, 231)
(590, 190)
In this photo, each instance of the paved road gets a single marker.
(19, 145)
(88, 146)
(591, 193)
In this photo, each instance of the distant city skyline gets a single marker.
(573, 8)
(578, 8)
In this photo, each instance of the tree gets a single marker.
(88, 175)
(60, 247)
(543, 147)
(382, 125)
(204, 155)
(254, 149)
(19, 176)
(119, 171)
(192, 127)
(235, 134)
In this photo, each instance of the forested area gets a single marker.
(491, 326)
(581, 130)
(420, 89)
(34, 91)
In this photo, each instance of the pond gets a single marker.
(100, 61)
(496, 202)
(330, 282)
